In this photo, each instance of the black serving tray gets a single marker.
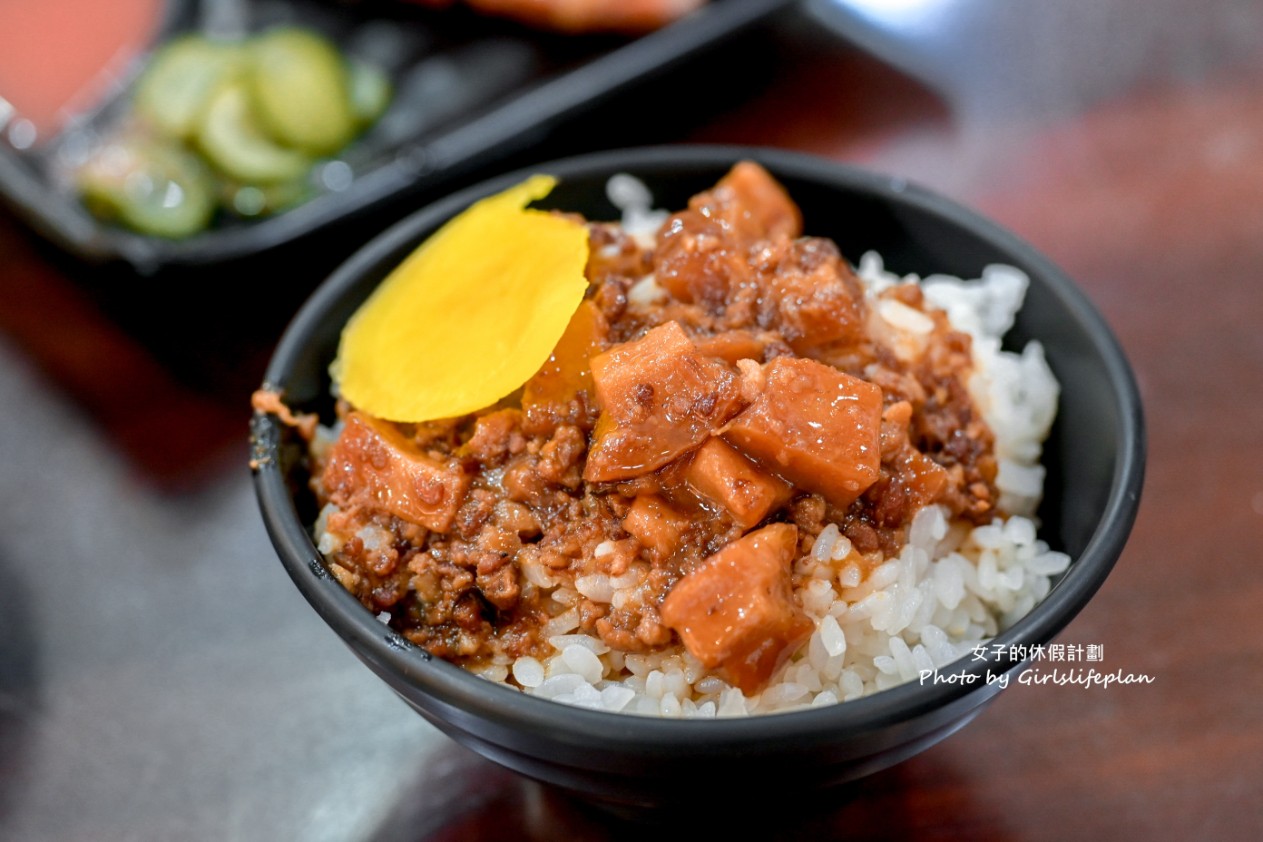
(469, 90)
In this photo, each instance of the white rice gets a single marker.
(634, 201)
(950, 589)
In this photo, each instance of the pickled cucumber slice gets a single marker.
(180, 80)
(233, 125)
(154, 187)
(251, 200)
(230, 136)
(300, 90)
(369, 90)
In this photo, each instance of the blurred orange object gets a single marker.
(575, 16)
(59, 56)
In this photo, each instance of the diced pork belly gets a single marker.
(751, 204)
(695, 263)
(813, 296)
(656, 525)
(736, 611)
(814, 425)
(375, 465)
(731, 345)
(703, 251)
(659, 399)
(723, 476)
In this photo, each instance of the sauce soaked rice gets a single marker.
(748, 478)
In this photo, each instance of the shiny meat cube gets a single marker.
(723, 476)
(703, 251)
(814, 425)
(817, 298)
(736, 611)
(924, 478)
(731, 345)
(659, 399)
(695, 261)
(752, 204)
(373, 464)
(655, 525)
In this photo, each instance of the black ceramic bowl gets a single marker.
(1094, 457)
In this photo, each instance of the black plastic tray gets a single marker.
(469, 90)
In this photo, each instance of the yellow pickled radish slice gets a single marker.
(470, 315)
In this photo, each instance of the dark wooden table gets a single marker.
(160, 679)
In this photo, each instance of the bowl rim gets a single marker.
(455, 687)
